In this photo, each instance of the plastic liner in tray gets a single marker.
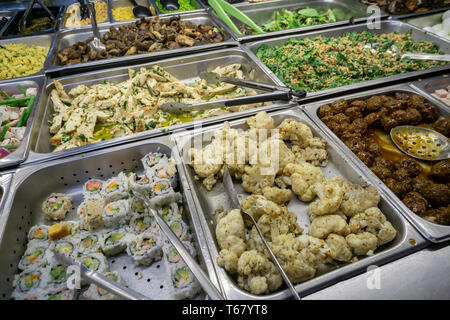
(32, 184)
(431, 231)
(406, 241)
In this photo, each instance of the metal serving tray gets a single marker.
(5, 181)
(193, 2)
(10, 87)
(13, 26)
(263, 12)
(64, 18)
(207, 201)
(385, 27)
(431, 231)
(113, 4)
(187, 68)
(42, 40)
(10, 15)
(407, 15)
(68, 38)
(429, 85)
(27, 192)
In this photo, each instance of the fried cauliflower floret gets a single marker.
(273, 152)
(237, 155)
(330, 193)
(373, 220)
(260, 121)
(207, 163)
(257, 205)
(277, 195)
(303, 178)
(296, 132)
(363, 243)
(230, 235)
(298, 263)
(339, 248)
(257, 274)
(319, 248)
(322, 226)
(257, 177)
(315, 156)
(358, 198)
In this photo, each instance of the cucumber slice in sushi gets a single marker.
(170, 212)
(181, 230)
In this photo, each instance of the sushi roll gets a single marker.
(88, 243)
(29, 284)
(181, 229)
(63, 294)
(185, 286)
(115, 188)
(93, 188)
(165, 169)
(114, 242)
(141, 223)
(163, 193)
(55, 275)
(91, 212)
(38, 233)
(94, 261)
(116, 214)
(172, 256)
(137, 206)
(97, 293)
(144, 249)
(152, 159)
(35, 256)
(139, 184)
(170, 212)
(67, 245)
(56, 206)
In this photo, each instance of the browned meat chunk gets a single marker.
(399, 188)
(324, 110)
(339, 106)
(443, 126)
(440, 171)
(440, 215)
(416, 203)
(374, 103)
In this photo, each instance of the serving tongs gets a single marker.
(223, 8)
(84, 10)
(23, 19)
(96, 43)
(276, 93)
(421, 143)
(99, 279)
(229, 189)
(394, 50)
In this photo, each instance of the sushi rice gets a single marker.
(96, 293)
(141, 223)
(88, 243)
(115, 188)
(184, 284)
(36, 255)
(144, 249)
(56, 206)
(116, 214)
(93, 188)
(39, 233)
(114, 242)
(139, 184)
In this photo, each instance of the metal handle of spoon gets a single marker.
(100, 280)
(229, 188)
(23, 19)
(427, 56)
(97, 43)
(202, 278)
(42, 4)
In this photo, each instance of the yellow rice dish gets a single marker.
(18, 60)
(125, 13)
(73, 15)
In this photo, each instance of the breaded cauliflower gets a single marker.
(208, 161)
(339, 248)
(257, 177)
(257, 274)
(230, 235)
(296, 132)
(319, 248)
(373, 220)
(358, 198)
(322, 226)
(277, 195)
(315, 156)
(237, 155)
(303, 178)
(273, 152)
(260, 121)
(298, 263)
(330, 193)
(257, 205)
(363, 243)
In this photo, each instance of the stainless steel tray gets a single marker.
(207, 201)
(262, 13)
(67, 38)
(42, 40)
(113, 4)
(193, 2)
(429, 85)
(431, 231)
(13, 25)
(385, 27)
(5, 181)
(27, 192)
(64, 18)
(10, 15)
(10, 87)
(427, 21)
(409, 15)
(186, 68)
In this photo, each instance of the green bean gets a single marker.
(26, 113)
(15, 102)
(9, 147)
(3, 132)
(22, 89)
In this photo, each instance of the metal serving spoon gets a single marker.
(99, 279)
(421, 143)
(140, 11)
(23, 19)
(170, 5)
(418, 56)
(229, 188)
(96, 44)
(84, 10)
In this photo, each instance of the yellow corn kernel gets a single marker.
(121, 14)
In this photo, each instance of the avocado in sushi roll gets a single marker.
(35, 256)
(163, 193)
(88, 243)
(137, 206)
(170, 212)
(94, 261)
(96, 293)
(38, 233)
(144, 249)
(28, 284)
(114, 242)
(181, 230)
(93, 188)
(67, 246)
(56, 206)
(141, 223)
(115, 188)
(185, 286)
